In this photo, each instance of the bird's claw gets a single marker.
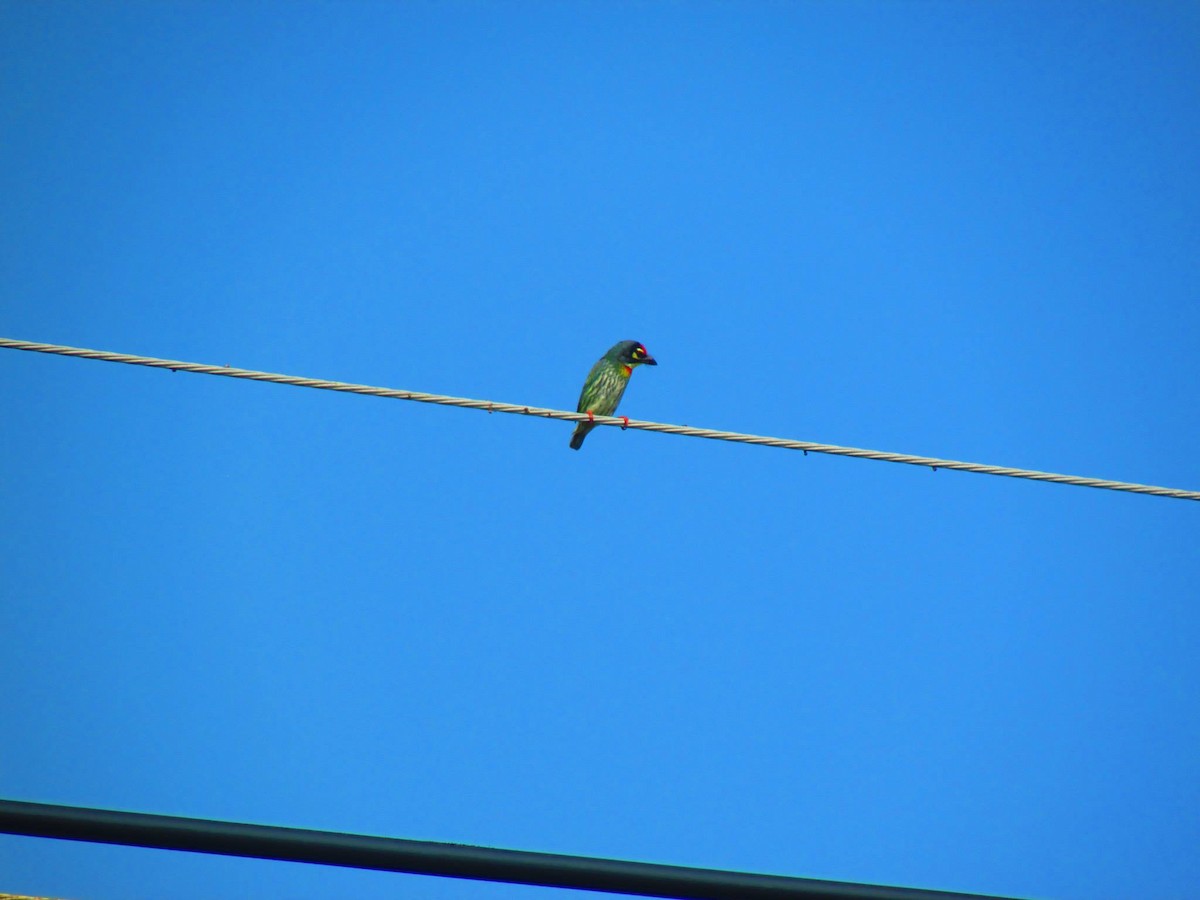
(626, 420)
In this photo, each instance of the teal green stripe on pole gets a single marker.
(331, 848)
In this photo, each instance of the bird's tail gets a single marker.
(581, 431)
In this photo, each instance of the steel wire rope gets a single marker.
(618, 421)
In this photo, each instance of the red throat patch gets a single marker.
(628, 370)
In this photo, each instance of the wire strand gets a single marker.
(619, 421)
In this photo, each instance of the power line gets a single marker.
(332, 848)
(620, 421)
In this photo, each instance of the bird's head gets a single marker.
(631, 353)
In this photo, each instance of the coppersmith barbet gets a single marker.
(606, 383)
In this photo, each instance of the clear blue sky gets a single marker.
(955, 229)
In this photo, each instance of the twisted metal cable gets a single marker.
(620, 421)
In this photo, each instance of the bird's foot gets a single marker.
(626, 425)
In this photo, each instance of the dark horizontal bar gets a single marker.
(333, 848)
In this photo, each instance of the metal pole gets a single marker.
(428, 858)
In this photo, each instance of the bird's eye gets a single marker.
(638, 351)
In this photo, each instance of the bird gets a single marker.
(606, 384)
